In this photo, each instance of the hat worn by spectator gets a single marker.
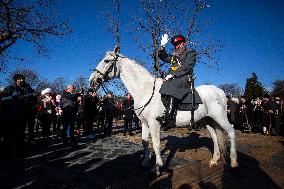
(46, 91)
(18, 76)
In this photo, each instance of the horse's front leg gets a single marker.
(155, 134)
(145, 142)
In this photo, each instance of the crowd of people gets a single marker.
(68, 115)
(260, 114)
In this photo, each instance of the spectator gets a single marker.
(128, 113)
(257, 115)
(16, 100)
(90, 102)
(118, 110)
(245, 114)
(109, 111)
(135, 122)
(59, 113)
(80, 117)
(277, 115)
(47, 104)
(69, 113)
(270, 108)
(232, 108)
(101, 116)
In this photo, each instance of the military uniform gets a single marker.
(181, 66)
(176, 87)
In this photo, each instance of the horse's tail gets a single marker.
(220, 137)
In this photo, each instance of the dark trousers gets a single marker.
(46, 121)
(127, 126)
(14, 136)
(89, 121)
(68, 122)
(101, 121)
(108, 125)
(31, 127)
(58, 123)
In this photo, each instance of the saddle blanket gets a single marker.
(186, 104)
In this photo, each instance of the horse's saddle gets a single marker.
(186, 104)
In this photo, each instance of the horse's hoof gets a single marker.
(213, 163)
(234, 164)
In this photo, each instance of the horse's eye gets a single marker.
(106, 61)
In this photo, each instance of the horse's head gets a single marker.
(107, 68)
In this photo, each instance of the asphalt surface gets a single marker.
(115, 162)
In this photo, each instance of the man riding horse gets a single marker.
(176, 86)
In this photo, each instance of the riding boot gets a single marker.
(169, 119)
(161, 119)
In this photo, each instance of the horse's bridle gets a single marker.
(112, 67)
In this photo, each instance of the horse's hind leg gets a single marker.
(216, 153)
(145, 142)
(224, 123)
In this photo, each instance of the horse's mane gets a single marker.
(136, 66)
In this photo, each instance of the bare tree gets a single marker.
(150, 22)
(111, 11)
(42, 84)
(231, 89)
(29, 21)
(173, 17)
(58, 85)
(278, 88)
(81, 84)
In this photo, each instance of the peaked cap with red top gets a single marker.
(177, 39)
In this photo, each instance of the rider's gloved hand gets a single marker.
(165, 39)
(168, 77)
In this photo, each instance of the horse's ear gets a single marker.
(117, 49)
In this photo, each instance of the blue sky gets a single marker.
(252, 32)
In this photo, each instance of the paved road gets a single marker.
(114, 162)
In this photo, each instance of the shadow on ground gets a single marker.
(74, 166)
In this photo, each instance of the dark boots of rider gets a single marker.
(168, 120)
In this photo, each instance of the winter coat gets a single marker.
(90, 105)
(47, 108)
(127, 106)
(108, 105)
(69, 104)
(18, 102)
(181, 66)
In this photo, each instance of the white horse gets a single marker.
(140, 83)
